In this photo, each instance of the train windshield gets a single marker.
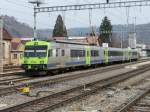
(35, 51)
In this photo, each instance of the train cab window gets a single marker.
(62, 52)
(50, 53)
(36, 47)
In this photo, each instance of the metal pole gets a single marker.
(34, 30)
(1, 45)
(121, 40)
(36, 4)
(135, 24)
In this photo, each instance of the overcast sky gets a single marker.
(23, 11)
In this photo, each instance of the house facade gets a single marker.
(6, 47)
(17, 48)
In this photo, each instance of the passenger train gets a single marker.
(49, 55)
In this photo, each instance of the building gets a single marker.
(6, 47)
(132, 40)
(144, 50)
(91, 40)
(59, 38)
(17, 48)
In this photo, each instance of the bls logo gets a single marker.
(35, 43)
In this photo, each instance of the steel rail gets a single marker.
(11, 73)
(55, 100)
(12, 69)
(15, 80)
(133, 101)
(48, 81)
(17, 67)
(13, 89)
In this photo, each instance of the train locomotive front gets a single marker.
(35, 56)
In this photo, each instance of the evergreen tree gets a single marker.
(59, 28)
(105, 30)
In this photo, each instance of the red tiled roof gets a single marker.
(14, 45)
(6, 35)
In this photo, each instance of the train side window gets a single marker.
(134, 53)
(50, 53)
(77, 53)
(62, 52)
(83, 53)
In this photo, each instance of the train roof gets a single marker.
(70, 42)
(79, 43)
(65, 42)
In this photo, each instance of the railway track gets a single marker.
(12, 69)
(20, 72)
(55, 100)
(13, 81)
(140, 103)
(11, 66)
(11, 73)
(49, 80)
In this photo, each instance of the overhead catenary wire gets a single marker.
(22, 18)
(81, 19)
(18, 4)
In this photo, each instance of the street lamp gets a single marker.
(1, 45)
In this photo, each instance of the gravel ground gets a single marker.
(14, 99)
(39, 78)
(18, 98)
(110, 98)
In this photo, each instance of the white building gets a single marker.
(132, 40)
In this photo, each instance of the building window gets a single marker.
(15, 56)
(63, 52)
(21, 55)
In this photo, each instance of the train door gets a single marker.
(106, 55)
(124, 55)
(58, 55)
(62, 57)
(129, 54)
(88, 56)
